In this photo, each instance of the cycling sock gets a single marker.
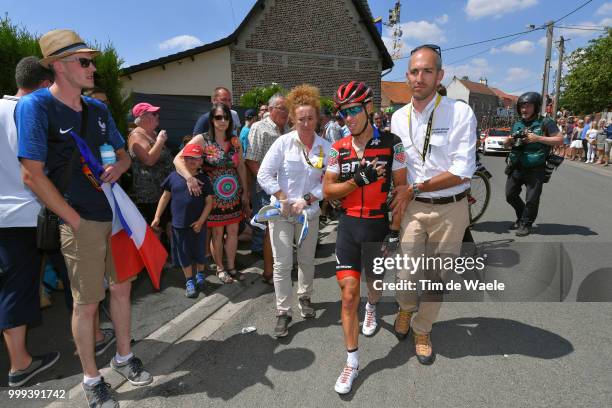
(352, 358)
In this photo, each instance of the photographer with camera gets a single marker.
(531, 139)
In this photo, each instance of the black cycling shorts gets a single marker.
(353, 232)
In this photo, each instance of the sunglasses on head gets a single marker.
(430, 46)
(85, 62)
(352, 111)
(221, 117)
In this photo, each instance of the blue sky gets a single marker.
(146, 30)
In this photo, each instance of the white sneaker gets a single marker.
(345, 381)
(369, 322)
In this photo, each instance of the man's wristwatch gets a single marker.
(415, 190)
(307, 197)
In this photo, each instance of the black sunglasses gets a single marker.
(221, 117)
(85, 62)
(433, 47)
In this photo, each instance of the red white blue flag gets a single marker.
(134, 245)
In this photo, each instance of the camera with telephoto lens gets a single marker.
(518, 138)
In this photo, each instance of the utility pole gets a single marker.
(396, 35)
(558, 78)
(549, 38)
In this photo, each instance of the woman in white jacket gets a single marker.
(292, 172)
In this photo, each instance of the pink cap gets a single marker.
(143, 107)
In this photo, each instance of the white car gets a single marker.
(492, 140)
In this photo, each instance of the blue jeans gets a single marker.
(258, 200)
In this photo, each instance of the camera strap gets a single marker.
(427, 132)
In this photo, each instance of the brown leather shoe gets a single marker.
(423, 348)
(402, 323)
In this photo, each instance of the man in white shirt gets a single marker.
(20, 260)
(439, 135)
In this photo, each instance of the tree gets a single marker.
(260, 95)
(106, 78)
(15, 43)
(588, 85)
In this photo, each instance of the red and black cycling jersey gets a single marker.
(369, 201)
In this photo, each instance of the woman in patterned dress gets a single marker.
(227, 173)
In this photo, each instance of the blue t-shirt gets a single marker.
(42, 128)
(584, 131)
(244, 139)
(185, 208)
(609, 131)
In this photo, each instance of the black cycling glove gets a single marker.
(391, 242)
(365, 175)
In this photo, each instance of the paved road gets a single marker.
(489, 354)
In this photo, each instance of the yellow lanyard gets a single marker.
(318, 163)
(427, 132)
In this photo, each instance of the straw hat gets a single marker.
(58, 44)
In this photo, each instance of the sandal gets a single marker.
(268, 281)
(224, 277)
(237, 276)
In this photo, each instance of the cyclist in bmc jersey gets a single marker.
(360, 169)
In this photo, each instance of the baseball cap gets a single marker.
(143, 107)
(192, 150)
(250, 113)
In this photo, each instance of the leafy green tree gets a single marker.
(588, 85)
(15, 43)
(106, 78)
(260, 95)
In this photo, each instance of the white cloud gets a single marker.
(516, 74)
(605, 9)
(606, 22)
(474, 69)
(180, 43)
(542, 42)
(443, 19)
(520, 47)
(423, 31)
(480, 8)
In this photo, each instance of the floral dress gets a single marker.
(221, 168)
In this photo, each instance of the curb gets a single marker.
(176, 330)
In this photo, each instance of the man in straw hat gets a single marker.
(45, 120)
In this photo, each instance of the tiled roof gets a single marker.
(477, 87)
(396, 92)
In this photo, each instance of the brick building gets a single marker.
(284, 41)
(478, 95)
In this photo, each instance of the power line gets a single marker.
(572, 12)
(581, 28)
(511, 35)
(508, 36)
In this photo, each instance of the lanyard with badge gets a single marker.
(427, 132)
(318, 162)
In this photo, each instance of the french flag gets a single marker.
(134, 245)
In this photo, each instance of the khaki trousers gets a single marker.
(432, 230)
(283, 234)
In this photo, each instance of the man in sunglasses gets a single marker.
(360, 169)
(220, 95)
(440, 139)
(51, 162)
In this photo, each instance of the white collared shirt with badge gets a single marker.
(284, 167)
(452, 145)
